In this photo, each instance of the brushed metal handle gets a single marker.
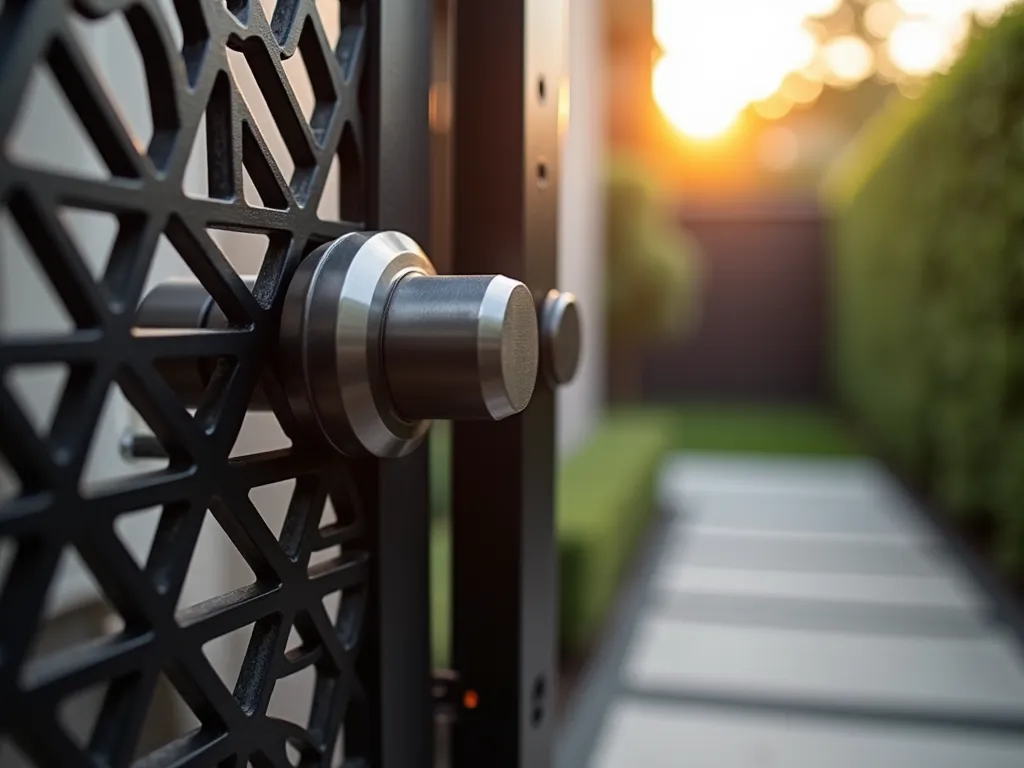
(460, 348)
(373, 344)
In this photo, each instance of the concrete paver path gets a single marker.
(799, 612)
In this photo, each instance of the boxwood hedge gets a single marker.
(929, 276)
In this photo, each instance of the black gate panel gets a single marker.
(359, 111)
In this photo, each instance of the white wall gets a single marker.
(581, 218)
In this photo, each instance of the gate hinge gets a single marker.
(451, 696)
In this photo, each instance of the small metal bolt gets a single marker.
(560, 337)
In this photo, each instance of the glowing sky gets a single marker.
(722, 55)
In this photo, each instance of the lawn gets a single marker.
(804, 431)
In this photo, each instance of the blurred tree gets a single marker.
(844, 59)
(652, 271)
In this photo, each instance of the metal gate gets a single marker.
(350, 591)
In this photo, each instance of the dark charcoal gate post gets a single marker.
(372, 674)
(508, 68)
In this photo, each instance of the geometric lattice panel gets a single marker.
(246, 118)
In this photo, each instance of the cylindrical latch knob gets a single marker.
(374, 345)
(460, 347)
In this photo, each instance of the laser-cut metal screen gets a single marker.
(311, 578)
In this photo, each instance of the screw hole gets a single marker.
(538, 689)
(542, 89)
(542, 173)
(537, 700)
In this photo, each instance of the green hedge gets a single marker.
(654, 293)
(930, 285)
(604, 503)
(771, 430)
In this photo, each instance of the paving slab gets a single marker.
(807, 553)
(822, 616)
(651, 735)
(946, 591)
(829, 515)
(852, 478)
(975, 676)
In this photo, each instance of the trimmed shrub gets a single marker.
(930, 285)
(651, 261)
(769, 430)
(604, 503)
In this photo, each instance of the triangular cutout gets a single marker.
(261, 432)
(251, 91)
(38, 389)
(168, 719)
(292, 698)
(105, 463)
(216, 566)
(195, 182)
(29, 304)
(136, 531)
(329, 207)
(74, 591)
(323, 555)
(93, 233)
(47, 133)
(272, 502)
(226, 653)
(330, 21)
(114, 55)
(294, 643)
(330, 515)
(79, 712)
(332, 604)
(298, 77)
(11, 755)
(245, 251)
(250, 192)
(318, 62)
(167, 265)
